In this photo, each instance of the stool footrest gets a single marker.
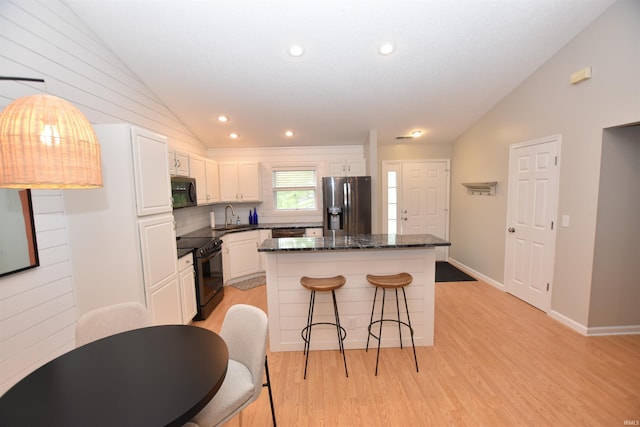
(389, 320)
(304, 333)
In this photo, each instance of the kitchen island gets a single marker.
(288, 259)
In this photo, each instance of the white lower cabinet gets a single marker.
(163, 298)
(240, 255)
(187, 288)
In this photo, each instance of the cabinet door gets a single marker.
(163, 305)
(356, 168)
(187, 289)
(347, 168)
(243, 258)
(240, 255)
(249, 181)
(150, 165)
(228, 173)
(198, 171)
(158, 246)
(172, 162)
(337, 168)
(213, 187)
(182, 163)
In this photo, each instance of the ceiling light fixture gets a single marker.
(46, 142)
(296, 50)
(289, 133)
(234, 136)
(386, 49)
(223, 119)
(416, 133)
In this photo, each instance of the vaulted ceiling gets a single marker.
(452, 61)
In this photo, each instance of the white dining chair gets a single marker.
(244, 330)
(110, 320)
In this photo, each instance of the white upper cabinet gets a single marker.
(240, 182)
(347, 168)
(178, 162)
(205, 172)
(213, 184)
(153, 185)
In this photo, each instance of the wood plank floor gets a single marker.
(496, 362)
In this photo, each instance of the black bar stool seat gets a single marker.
(395, 282)
(323, 284)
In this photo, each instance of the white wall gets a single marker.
(46, 40)
(546, 104)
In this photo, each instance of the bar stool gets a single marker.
(392, 281)
(324, 284)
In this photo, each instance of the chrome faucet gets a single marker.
(233, 213)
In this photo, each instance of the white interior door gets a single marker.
(416, 200)
(531, 217)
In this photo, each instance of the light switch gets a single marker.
(565, 220)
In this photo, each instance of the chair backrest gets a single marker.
(105, 321)
(244, 330)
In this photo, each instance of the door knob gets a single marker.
(511, 230)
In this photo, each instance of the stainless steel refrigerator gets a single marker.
(347, 205)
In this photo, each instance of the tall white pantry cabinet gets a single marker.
(122, 236)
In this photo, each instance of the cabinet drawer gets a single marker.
(313, 232)
(185, 262)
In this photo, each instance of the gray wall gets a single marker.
(615, 288)
(546, 104)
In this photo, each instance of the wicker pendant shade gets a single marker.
(45, 142)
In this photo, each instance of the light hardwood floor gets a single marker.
(496, 361)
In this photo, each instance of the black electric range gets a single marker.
(207, 251)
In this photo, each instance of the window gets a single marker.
(294, 189)
(392, 202)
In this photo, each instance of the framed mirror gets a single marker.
(18, 247)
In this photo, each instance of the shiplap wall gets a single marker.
(45, 39)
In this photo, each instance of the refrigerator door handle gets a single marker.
(346, 188)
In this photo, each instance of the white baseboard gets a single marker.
(476, 274)
(578, 327)
(613, 330)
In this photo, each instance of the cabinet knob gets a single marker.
(511, 230)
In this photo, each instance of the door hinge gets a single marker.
(547, 287)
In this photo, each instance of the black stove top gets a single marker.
(202, 245)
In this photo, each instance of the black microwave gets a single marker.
(183, 192)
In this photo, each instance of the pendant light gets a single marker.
(45, 142)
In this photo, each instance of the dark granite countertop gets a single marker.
(183, 252)
(358, 242)
(219, 231)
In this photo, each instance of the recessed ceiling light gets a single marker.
(234, 136)
(223, 119)
(386, 49)
(416, 133)
(289, 133)
(296, 50)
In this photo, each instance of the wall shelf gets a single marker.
(481, 188)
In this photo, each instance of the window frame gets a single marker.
(316, 189)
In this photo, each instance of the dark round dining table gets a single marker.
(155, 376)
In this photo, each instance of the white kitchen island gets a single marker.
(288, 259)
